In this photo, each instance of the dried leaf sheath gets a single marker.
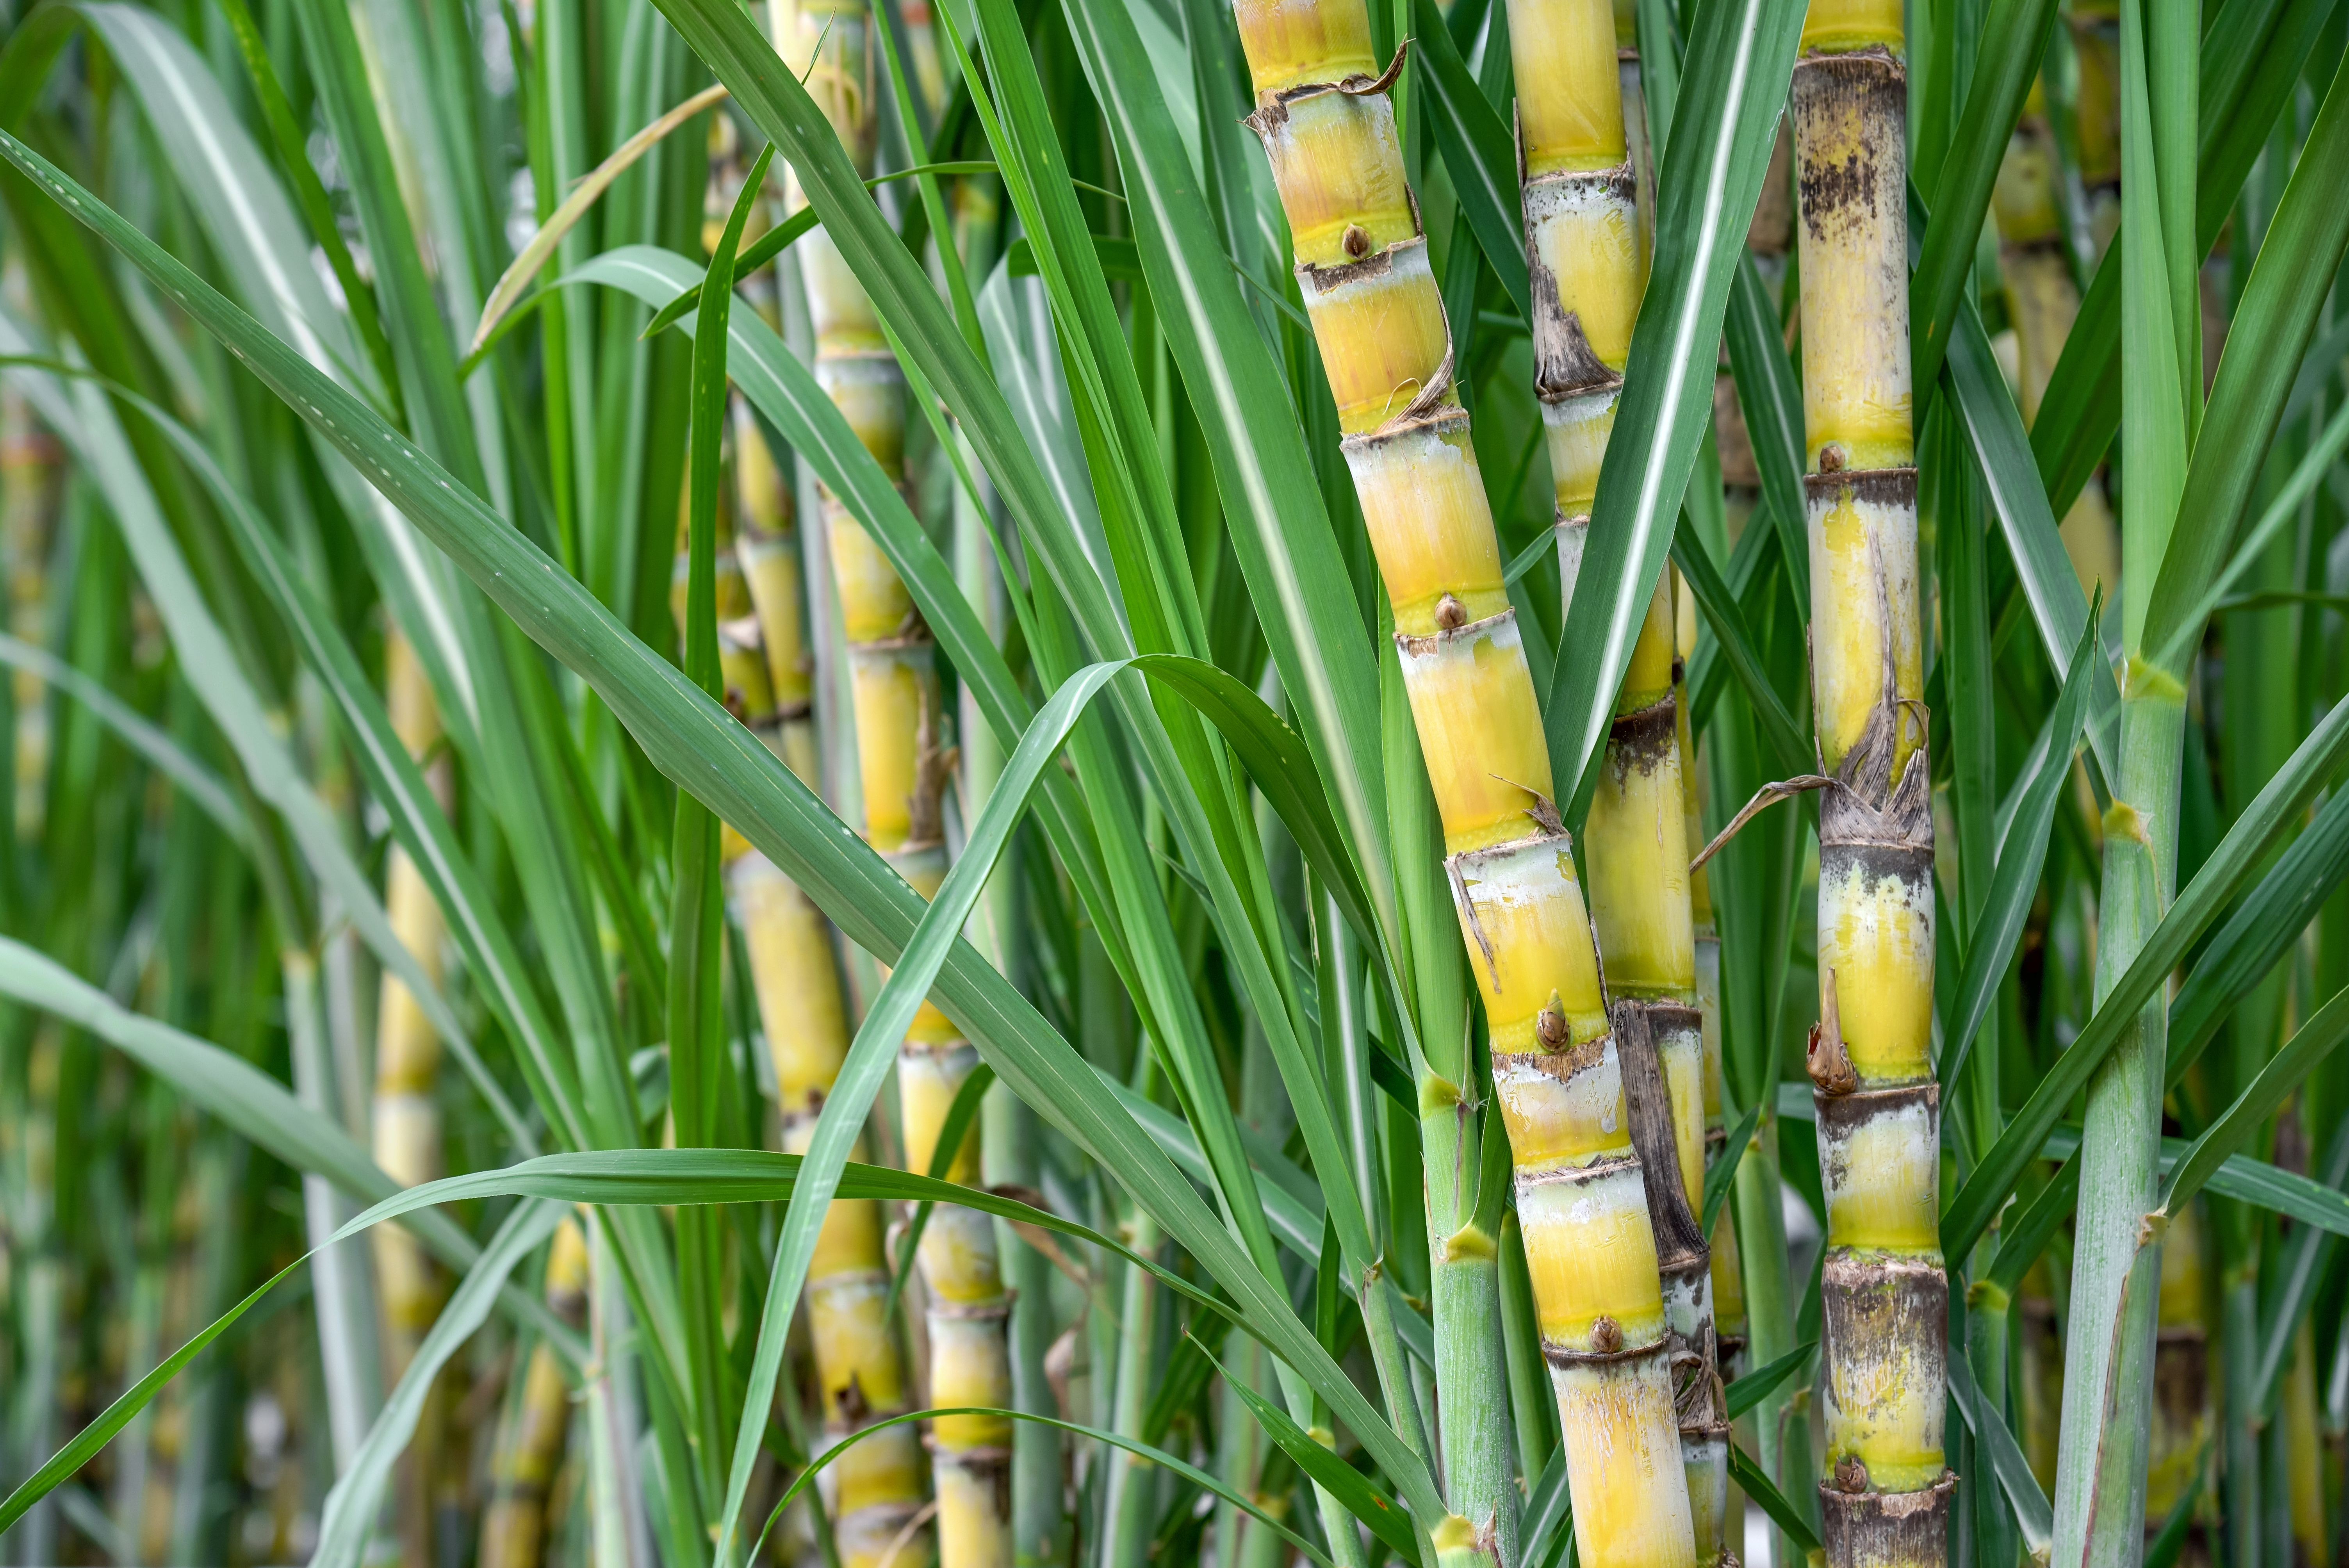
(1362, 265)
(1884, 1487)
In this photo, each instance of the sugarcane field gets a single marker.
(1148, 783)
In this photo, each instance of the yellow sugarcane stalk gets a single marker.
(407, 1121)
(874, 1492)
(2044, 301)
(2097, 111)
(1328, 126)
(1582, 146)
(1884, 1491)
(529, 1451)
(906, 764)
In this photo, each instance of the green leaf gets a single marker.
(317, 212)
(225, 176)
(1478, 152)
(1770, 397)
(352, 1505)
(1739, 62)
(1330, 1473)
(1120, 259)
(960, 1116)
(2245, 1180)
(1994, 1441)
(204, 789)
(2307, 1254)
(2249, 71)
(1756, 1484)
(1159, 1457)
(775, 243)
(1748, 1392)
(784, 390)
(2021, 856)
(531, 259)
(85, 419)
(1276, 524)
(2014, 39)
(250, 1103)
(1548, 1522)
(693, 740)
(2291, 280)
(873, 1052)
(2267, 922)
(83, 1445)
(2051, 588)
(1718, 1179)
(2023, 1237)
(2277, 806)
(2309, 1045)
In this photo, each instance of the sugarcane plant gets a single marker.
(831, 708)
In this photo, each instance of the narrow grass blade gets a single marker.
(951, 1133)
(539, 249)
(1478, 152)
(2267, 920)
(1156, 1456)
(1770, 396)
(692, 739)
(2277, 806)
(351, 1512)
(1756, 1484)
(225, 176)
(1728, 622)
(1264, 474)
(2301, 1056)
(2014, 37)
(2021, 856)
(1748, 1392)
(1718, 1179)
(2290, 282)
(246, 1099)
(872, 1053)
(1994, 1440)
(204, 788)
(1330, 1473)
(2051, 588)
(85, 419)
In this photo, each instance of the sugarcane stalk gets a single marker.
(905, 764)
(2305, 1454)
(406, 1108)
(1329, 127)
(2181, 1372)
(1885, 1489)
(515, 1525)
(1587, 179)
(876, 1488)
(2042, 301)
(2108, 1352)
